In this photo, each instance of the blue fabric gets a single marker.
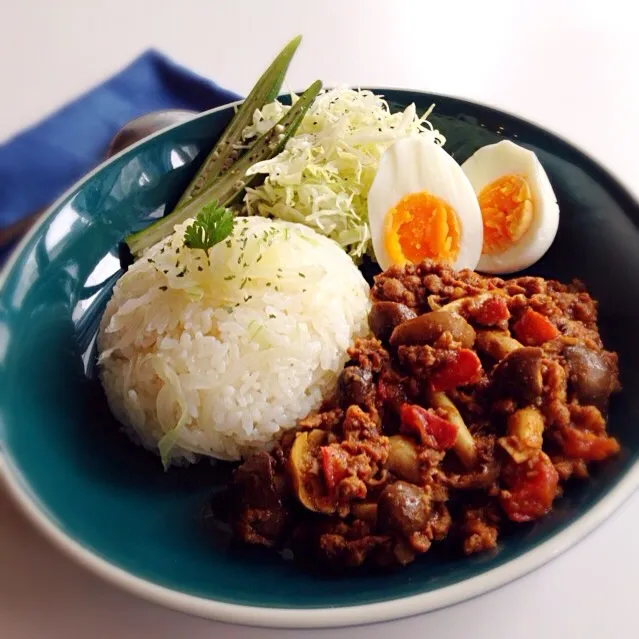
(39, 164)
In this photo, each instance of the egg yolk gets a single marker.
(507, 211)
(421, 226)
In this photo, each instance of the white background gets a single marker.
(572, 67)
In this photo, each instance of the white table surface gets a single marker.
(572, 67)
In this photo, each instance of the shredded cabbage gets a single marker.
(323, 175)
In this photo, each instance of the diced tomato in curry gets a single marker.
(432, 430)
(530, 490)
(579, 444)
(492, 311)
(462, 368)
(534, 329)
(334, 465)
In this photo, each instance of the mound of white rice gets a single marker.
(218, 356)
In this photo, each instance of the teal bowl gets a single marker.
(110, 505)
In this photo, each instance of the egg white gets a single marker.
(503, 158)
(413, 165)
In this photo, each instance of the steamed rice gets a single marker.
(219, 356)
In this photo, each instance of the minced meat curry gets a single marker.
(470, 404)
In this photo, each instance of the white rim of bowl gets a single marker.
(313, 617)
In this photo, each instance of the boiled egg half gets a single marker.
(518, 206)
(421, 205)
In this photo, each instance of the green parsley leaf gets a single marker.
(212, 225)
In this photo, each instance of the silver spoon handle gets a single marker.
(132, 132)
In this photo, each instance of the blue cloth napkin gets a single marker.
(39, 164)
